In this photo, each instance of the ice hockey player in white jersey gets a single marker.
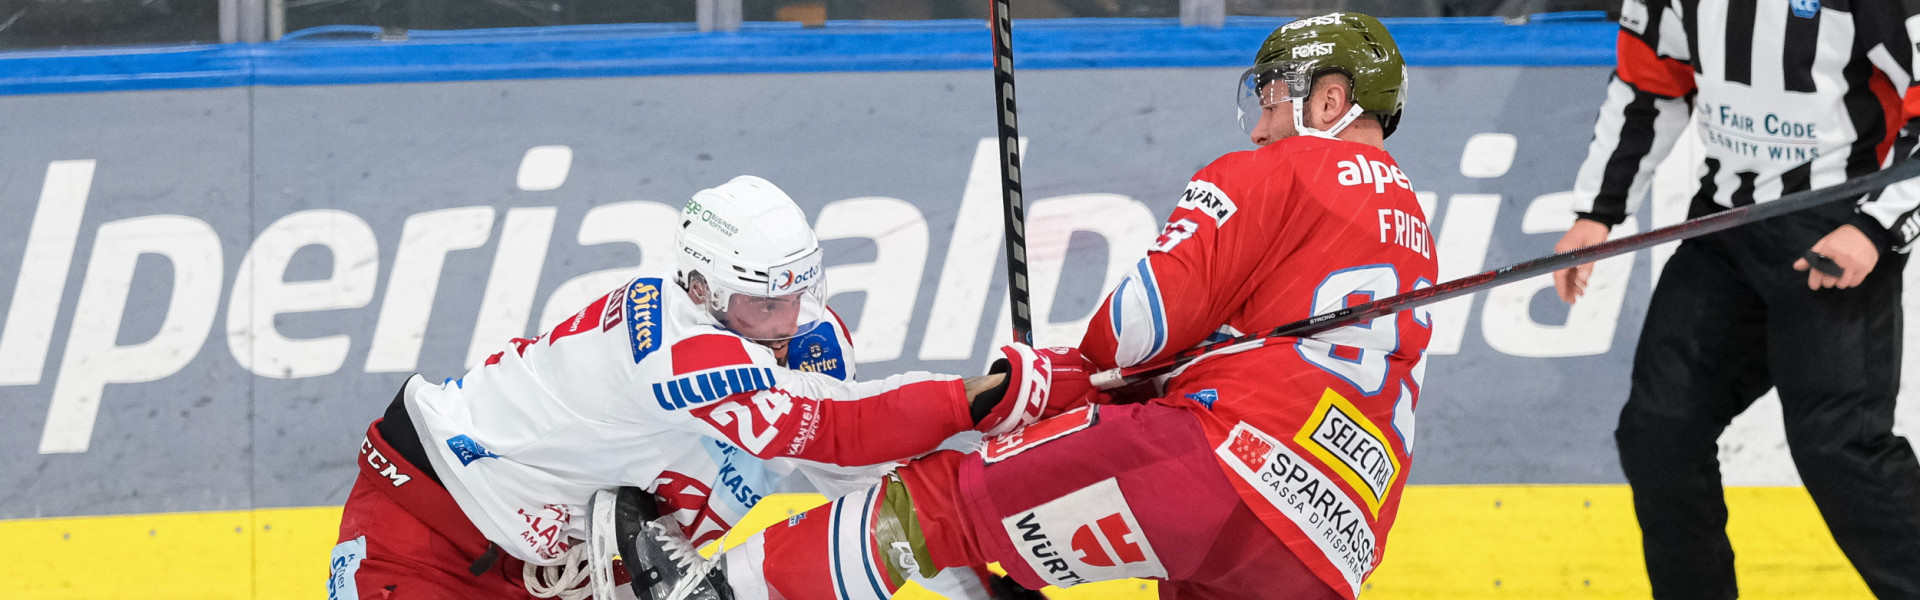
(708, 387)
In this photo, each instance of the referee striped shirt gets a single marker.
(1788, 95)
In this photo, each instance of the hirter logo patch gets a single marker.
(643, 317)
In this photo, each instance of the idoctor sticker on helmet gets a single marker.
(798, 275)
(643, 317)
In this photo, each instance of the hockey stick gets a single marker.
(1015, 210)
(1852, 188)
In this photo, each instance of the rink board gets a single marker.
(1536, 542)
(146, 402)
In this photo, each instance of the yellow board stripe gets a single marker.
(1534, 542)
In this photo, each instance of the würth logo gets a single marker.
(1115, 533)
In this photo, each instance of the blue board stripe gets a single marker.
(323, 57)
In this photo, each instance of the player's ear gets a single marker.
(1330, 99)
(697, 288)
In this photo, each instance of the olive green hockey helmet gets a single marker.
(1351, 43)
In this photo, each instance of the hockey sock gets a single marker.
(828, 553)
(933, 483)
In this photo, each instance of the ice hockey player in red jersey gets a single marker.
(709, 387)
(1268, 470)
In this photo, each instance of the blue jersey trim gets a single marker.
(337, 55)
(1155, 308)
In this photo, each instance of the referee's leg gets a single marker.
(1836, 359)
(1700, 362)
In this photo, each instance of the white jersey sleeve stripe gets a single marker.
(1139, 319)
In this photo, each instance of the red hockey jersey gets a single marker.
(1316, 433)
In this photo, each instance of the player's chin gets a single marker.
(778, 347)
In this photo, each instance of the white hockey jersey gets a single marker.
(644, 388)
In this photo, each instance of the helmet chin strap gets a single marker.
(1300, 120)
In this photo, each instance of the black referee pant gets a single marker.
(1729, 319)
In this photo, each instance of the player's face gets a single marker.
(761, 318)
(1276, 116)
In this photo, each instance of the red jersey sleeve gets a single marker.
(1172, 300)
(733, 391)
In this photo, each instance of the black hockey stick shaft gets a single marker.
(1720, 221)
(1015, 208)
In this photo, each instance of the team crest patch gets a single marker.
(1805, 9)
(643, 317)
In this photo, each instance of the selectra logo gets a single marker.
(1352, 447)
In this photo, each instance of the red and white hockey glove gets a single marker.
(1041, 382)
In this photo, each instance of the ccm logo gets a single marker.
(381, 465)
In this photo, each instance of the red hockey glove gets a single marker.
(1041, 382)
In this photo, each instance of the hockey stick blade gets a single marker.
(1000, 20)
(1720, 221)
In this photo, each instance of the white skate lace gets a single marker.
(694, 567)
(566, 581)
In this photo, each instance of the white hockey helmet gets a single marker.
(760, 260)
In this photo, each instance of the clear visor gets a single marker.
(792, 302)
(1267, 85)
(772, 318)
